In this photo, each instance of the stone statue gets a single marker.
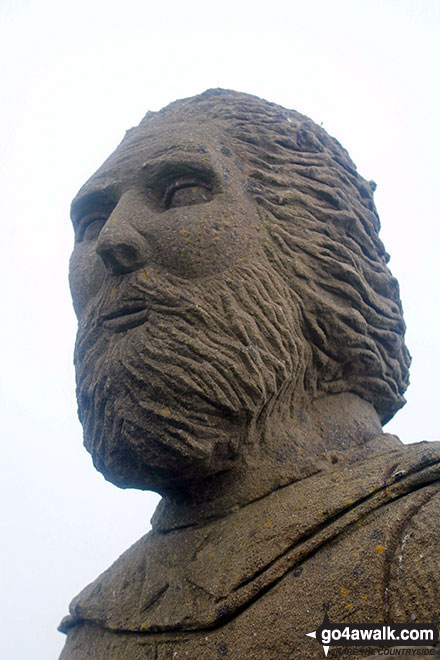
(240, 344)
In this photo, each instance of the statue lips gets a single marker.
(125, 316)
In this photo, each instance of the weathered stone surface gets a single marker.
(240, 342)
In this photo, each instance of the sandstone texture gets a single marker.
(240, 344)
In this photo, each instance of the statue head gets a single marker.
(227, 272)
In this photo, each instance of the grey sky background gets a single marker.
(74, 77)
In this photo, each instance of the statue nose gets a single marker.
(121, 247)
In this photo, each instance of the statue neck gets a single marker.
(280, 449)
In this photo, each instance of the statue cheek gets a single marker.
(86, 275)
(205, 244)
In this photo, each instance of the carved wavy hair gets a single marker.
(323, 224)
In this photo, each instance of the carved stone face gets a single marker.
(170, 201)
(168, 373)
(227, 266)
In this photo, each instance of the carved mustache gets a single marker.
(126, 302)
(124, 316)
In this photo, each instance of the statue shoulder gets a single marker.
(414, 581)
(124, 577)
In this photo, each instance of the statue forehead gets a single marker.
(195, 126)
(146, 147)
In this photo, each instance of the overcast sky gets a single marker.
(74, 77)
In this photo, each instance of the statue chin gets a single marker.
(157, 457)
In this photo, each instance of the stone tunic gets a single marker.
(362, 541)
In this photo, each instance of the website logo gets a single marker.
(374, 634)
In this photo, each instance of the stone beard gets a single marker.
(189, 378)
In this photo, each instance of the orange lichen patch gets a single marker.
(388, 492)
(349, 606)
(165, 412)
(344, 591)
(113, 219)
(380, 549)
(268, 523)
(348, 502)
(364, 596)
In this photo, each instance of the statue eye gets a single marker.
(186, 192)
(90, 213)
(91, 225)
